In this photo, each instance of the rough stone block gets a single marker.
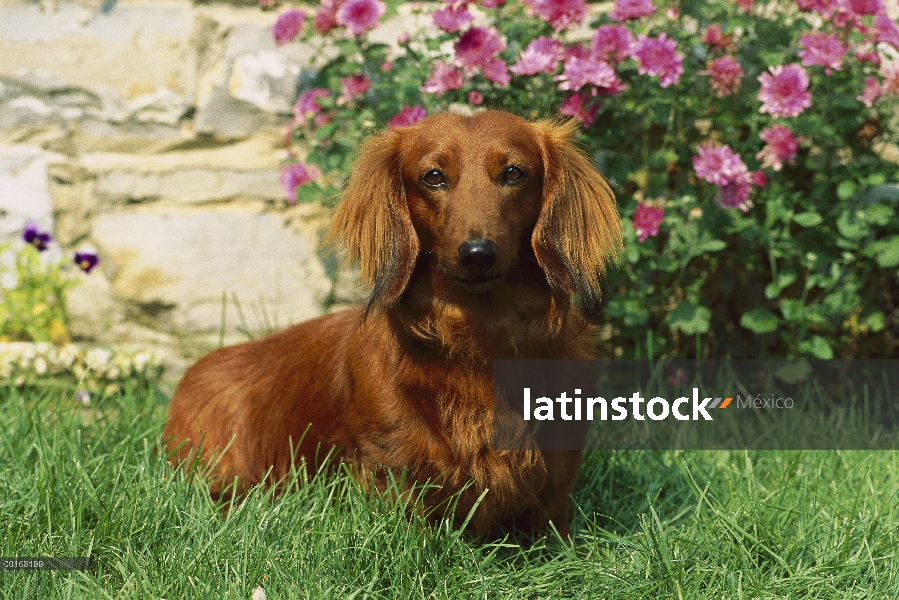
(211, 174)
(24, 194)
(247, 82)
(131, 47)
(176, 264)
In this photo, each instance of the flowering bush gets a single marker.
(746, 141)
(95, 371)
(32, 299)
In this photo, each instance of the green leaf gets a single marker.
(875, 321)
(689, 318)
(759, 320)
(668, 264)
(709, 246)
(784, 278)
(889, 254)
(851, 225)
(879, 214)
(885, 251)
(846, 190)
(310, 192)
(326, 131)
(632, 251)
(635, 312)
(817, 346)
(876, 179)
(808, 219)
(792, 309)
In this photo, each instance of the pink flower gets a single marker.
(890, 78)
(873, 90)
(626, 10)
(577, 51)
(321, 120)
(718, 164)
(477, 47)
(360, 15)
(294, 175)
(443, 78)
(679, 377)
(734, 194)
(326, 17)
(657, 57)
(784, 91)
(386, 66)
(410, 115)
(886, 30)
(746, 5)
(715, 39)
(288, 26)
(612, 42)
(559, 13)
(452, 18)
(496, 71)
(475, 98)
(822, 49)
(587, 71)
(725, 73)
(403, 38)
(862, 7)
(573, 106)
(646, 221)
(492, 3)
(354, 85)
(867, 55)
(780, 147)
(758, 179)
(823, 7)
(307, 104)
(541, 56)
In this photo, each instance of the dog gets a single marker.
(474, 233)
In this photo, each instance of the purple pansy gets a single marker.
(34, 236)
(86, 259)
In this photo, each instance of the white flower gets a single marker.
(141, 360)
(84, 397)
(258, 593)
(40, 365)
(67, 355)
(97, 359)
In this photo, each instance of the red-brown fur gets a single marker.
(406, 382)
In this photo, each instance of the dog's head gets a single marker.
(472, 194)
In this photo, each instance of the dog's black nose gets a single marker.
(477, 256)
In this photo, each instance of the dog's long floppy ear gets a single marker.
(578, 231)
(372, 222)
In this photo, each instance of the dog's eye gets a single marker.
(434, 179)
(513, 175)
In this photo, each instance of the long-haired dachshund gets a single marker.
(475, 233)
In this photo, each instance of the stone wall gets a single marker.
(153, 130)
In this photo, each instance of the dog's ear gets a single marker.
(372, 222)
(578, 231)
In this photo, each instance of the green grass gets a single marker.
(77, 481)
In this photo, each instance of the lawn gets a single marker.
(728, 524)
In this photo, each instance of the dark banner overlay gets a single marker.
(47, 563)
(784, 404)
